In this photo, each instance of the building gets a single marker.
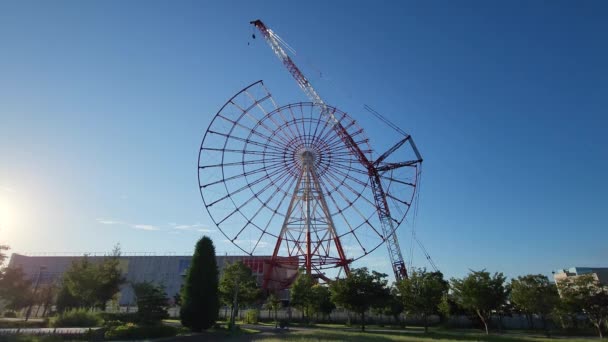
(168, 271)
(599, 273)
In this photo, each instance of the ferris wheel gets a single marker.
(301, 183)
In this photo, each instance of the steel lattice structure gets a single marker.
(301, 180)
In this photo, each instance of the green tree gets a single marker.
(360, 291)
(395, 306)
(200, 300)
(301, 294)
(109, 277)
(322, 300)
(237, 287)
(66, 300)
(534, 294)
(88, 284)
(585, 294)
(15, 288)
(151, 302)
(422, 293)
(274, 303)
(480, 293)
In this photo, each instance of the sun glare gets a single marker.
(8, 218)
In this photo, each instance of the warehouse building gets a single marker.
(168, 270)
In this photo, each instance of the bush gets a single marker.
(251, 316)
(76, 318)
(10, 314)
(131, 331)
(124, 317)
(283, 324)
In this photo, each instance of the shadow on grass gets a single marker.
(329, 335)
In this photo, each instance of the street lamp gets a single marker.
(29, 309)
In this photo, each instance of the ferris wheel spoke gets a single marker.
(286, 124)
(253, 152)
(276, 209)
(366, 219)
(231, 193)
(340, 172)
(338, 183)
(318, 133)
(250, 199)
(279, 133)
(249, 129)
(293, 119)
(341, 213)
(249, 220)
(249, 141)
(240, 163)
(330, 134)
(266, 114)
(241, 175)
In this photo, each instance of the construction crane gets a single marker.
(374, 168)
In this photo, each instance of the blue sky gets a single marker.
(103, 106)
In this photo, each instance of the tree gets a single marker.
(322, 300)
(151, 302)
(200, 300)
(46, 296)
(391, 306)
(237, 286)
(66, 300)
(15, 288)
(110, 277)
(534, 294)
(301, 294)
(273, 303)
(360, 291)
(585, 294)
(422, 293)
(3, 255)
(88, 284)
(480, 293)
(395, 306)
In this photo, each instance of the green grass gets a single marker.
(333, 334)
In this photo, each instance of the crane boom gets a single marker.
(386, 221)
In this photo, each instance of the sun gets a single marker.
(8, 218)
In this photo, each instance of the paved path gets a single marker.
(45, 331)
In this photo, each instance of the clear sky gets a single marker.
(103, 105)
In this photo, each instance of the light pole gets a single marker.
(29, 309)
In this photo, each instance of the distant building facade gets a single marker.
(599, 273)
(168, 271)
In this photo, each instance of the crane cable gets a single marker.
(385, 120)
(417, 200)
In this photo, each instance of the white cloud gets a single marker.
(198, 227)
(144, 227)
(104, 221)
(139, 226)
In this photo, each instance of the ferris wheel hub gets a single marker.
(307, 156)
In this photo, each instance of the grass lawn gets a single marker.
(334, 334)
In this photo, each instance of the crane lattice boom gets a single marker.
(387, 222)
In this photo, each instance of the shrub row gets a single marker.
(77, 318)
(131, 331)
